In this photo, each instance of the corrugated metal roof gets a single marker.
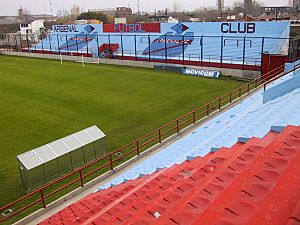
(95, 133)
(30, 160)
(59, 147)
(55, 149)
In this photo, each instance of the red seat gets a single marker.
(238, 185)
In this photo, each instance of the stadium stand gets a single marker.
(290, 66)
(251, 117)
(204, 42)
(250, 183)
(238, 168)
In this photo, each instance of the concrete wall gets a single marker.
(224, 71)
(282, 88)
(290, 66)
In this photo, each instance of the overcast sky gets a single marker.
(10, 7)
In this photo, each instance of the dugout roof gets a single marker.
(55, 149)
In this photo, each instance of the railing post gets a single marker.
(135, 55)
(183, 49)
(58, 45)
(111, 162)
(166, 50)
(248, 87)
(244, 52)
(42, 197)
(87, 45)
(81, 179)
(137, 147)
(109, 46)
(221, 58)
(15, 43)
(159, 135)
(230, 97)
(21, 43)
(42, 42)
(207, 109)
(122, 46)
(219, 103)
(262, 53)
(67, 53)
(194, 117)
(76, 42)
(149, 41)
(8, 42)
(4, 42)
(240, 92)
(27, 42)
(177, 126)
(50, 45)
(201, 44)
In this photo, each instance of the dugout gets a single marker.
(48, 162)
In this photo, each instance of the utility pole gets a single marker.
(138, 3)
(220, 5)
(50, 3)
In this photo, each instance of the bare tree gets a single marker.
(59, 13)
(256, 8)
(177, 7)
(238, 4)
(74, 11)
(26, 11)
(66, 13)
(23, 13)
(207, 13)
(64, 16)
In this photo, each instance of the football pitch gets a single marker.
(41, 101)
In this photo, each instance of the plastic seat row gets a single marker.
(254, 182)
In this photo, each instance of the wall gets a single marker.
(192, 41)
(224, 71)
(290, 66)
(280, 87)
(37, 25)
(271, 62)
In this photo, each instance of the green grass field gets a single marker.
(41, 101)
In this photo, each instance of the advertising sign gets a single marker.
(202, 72)
(132, 28)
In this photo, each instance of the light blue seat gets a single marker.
(250, 118)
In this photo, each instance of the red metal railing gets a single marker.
(135, 147)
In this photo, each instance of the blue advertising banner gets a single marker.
(203, 73)
(227, 42)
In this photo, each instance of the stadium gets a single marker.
(151, 123)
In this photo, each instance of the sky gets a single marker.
(42, 6)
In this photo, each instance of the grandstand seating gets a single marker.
(251, 117)
(250, 183)
(290, 66)
(238, 168)
(207, 43)
(232, 53)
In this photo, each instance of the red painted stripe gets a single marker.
(132, 28)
